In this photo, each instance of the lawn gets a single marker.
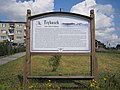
(69, 65)
(108, 67)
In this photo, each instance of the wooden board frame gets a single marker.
(66, 18)
(92, 54)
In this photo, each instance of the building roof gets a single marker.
(11, 22)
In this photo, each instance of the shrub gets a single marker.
(2, 87)
(6, 48)
(54, 62)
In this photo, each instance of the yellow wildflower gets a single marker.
(94, 81)
(50, 85)
(92, 85)
(105, 78)
(30, 86)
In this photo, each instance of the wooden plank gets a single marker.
(62, 77)
(28, 57)
(60, 13)
(64, 54)
(94, 66)
(92, 40)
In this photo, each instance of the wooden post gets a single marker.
(28, 56)
(94, 66)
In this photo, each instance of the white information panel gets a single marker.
(60, 34)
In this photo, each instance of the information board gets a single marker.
(60, 34)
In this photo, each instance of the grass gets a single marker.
(108, 64)
(69, 65)
(10, 71)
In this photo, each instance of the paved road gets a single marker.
(11, 58)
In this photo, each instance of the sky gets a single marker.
(107, 14)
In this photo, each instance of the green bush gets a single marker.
(18, 49)
(6, 48)
(54, 62)
(2, 51)
(2, 87)
(107, 81)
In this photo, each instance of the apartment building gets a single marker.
(13, 31)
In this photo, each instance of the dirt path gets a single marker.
(11, 58)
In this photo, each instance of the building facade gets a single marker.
(118, 46)
(99, 46)
(13, 31)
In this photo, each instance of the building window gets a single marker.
(18, 38)
(19, 25)
(11, 30)
(11, 25)
(3, 31)
(11, 37)
(3, 25)
(3, 37)
(19, 31)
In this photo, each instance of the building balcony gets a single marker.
(11, 27)
(10, 40)
(10, 33)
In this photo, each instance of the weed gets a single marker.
(54, 62)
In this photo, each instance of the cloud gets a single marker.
(17, 10)
(104, 19)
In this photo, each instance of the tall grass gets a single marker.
(108, 67)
